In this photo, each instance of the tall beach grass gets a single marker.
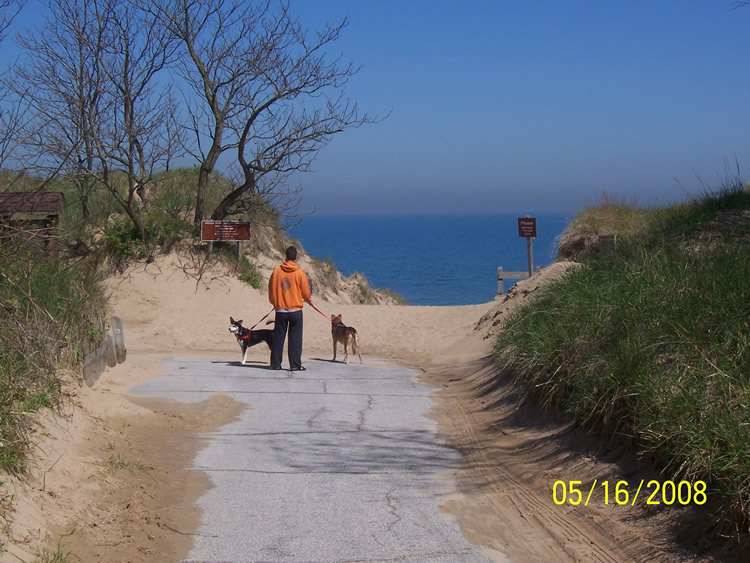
(648, 343)
(49, 312)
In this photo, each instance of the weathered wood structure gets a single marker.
(502, 275)
(32, 217)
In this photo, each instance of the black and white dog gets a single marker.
(247, 338)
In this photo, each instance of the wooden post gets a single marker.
(531, 256)
(527, 228)
(50, 226)
(119, 340)
(501, 275)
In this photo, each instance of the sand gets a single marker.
(110, 479)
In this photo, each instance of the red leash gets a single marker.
(256, 324)
(272, 310)
(319, 311)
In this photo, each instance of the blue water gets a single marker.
(429, 259)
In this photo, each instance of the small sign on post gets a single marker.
(527, 228)
(227, 231)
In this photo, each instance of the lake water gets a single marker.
(430, 259)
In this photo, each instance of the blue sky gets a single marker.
(535, 106)
(532, 106)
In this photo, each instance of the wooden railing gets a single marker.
(502, 275)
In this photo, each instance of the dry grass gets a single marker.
(609, 217)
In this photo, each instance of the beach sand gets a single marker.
(110, 476)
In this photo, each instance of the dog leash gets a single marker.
(321, 312)
(256, 324)
(326, 316)
(311, 305)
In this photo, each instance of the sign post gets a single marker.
(527, 228)
(229, 231)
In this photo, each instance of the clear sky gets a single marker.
(526, 106)
(532, 106)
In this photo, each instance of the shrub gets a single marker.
(249, 273)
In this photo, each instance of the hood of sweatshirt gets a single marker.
(289, 267)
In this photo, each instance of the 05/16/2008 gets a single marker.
(683, 492)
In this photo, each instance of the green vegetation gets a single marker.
(49, 312)
(648, 341)
(328, 270)
(249, 273)
(611, 218)
(57, 553)
(116, 463)
(109, 236)
(398, 299)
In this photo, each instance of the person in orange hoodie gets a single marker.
(288, 288)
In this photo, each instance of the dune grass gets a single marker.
(648, 343)
(48, 313)
(610, 216)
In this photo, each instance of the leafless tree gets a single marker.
(61, 79)
(267, 92)
(8, 11)
(14, 118)
(103, 118)
(140, 136)
(12, 110)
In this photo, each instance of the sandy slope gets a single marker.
(110, 480)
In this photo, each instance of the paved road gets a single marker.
(337, 463)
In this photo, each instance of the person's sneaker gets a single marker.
(275, 367)
(300, 368)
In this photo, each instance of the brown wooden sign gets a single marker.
(527, 227)
(225, 230)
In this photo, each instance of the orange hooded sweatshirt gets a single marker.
(288, 287)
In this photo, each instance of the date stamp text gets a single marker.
(651, 492)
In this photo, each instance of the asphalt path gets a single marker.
(336, 463)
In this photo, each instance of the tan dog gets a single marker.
(347, 336)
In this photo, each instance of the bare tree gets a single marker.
(139, 137)
(8, 11)
(12, 110)
(62, 80)
(103, 118)
(14, 118)
(267, 92)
